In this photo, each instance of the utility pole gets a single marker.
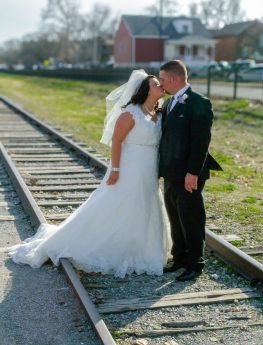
(161, 8)
(95, 48)
(161, 26)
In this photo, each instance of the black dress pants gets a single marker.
(187, 217)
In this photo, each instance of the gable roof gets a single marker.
(140, 25)
(235, 29)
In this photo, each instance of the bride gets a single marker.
(122, 227)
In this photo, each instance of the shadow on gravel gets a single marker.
(38, 306)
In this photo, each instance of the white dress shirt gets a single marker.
(176, 96)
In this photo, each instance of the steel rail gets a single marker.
(240, 261)
(37, 218)
(62, 138)
(233, 256)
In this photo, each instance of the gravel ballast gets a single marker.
(37, 305)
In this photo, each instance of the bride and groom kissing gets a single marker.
(127, 225)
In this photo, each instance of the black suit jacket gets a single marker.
(186, 134)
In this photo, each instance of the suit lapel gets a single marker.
(171, 114)
(175, 109)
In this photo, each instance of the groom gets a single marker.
(184, 165)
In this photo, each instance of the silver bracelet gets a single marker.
(115, 169)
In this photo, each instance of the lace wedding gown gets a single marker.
(121, 228)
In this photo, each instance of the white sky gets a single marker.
(20, 17)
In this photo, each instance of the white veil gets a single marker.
(117, 99)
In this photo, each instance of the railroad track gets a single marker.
(52, 176)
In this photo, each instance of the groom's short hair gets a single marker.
(175, 67)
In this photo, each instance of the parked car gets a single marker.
(224, 65)
(254, 73)
(202, 71)
(241, 64)
(3, 67)
(19, 67)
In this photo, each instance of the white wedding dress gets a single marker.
(121, 228)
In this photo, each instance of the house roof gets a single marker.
(232, 29)
(156, 26)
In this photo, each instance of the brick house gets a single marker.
(145, 39)
(239, 40)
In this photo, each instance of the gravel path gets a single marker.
(37, 306)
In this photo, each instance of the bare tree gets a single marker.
(193, 9)
(212, 13)
(163, 8)
(62, 16)
(10, 51)
(62, 20)
(99, 26)
(66, 35)
(35, 48)
(216, 14)
(234, 12)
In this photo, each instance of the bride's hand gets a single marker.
(113, 178)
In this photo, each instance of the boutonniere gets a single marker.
(181, 99)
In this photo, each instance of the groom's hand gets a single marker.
(113, 178)
(190, 182)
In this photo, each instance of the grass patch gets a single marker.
(234, 196)
(250, 200)
(226, 187)
(239, 111)
(77, 107)
(237, 104)
(116, 334)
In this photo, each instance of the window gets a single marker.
(195, 50)
(185, 29)
(182, 50)
(183, 26)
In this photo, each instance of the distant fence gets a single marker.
(211, 84)
(234, 87)
(94, 74)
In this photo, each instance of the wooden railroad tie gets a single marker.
(179, 299)
(167, 332)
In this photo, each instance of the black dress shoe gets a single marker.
(172, 268)
(188, 275)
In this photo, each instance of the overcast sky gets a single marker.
(20, 17)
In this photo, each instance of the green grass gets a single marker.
(234, 197)
(77, 107)
(224, 187)
(250, 200)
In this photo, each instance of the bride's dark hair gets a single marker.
(140, 96)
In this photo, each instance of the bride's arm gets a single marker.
(122, 127)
